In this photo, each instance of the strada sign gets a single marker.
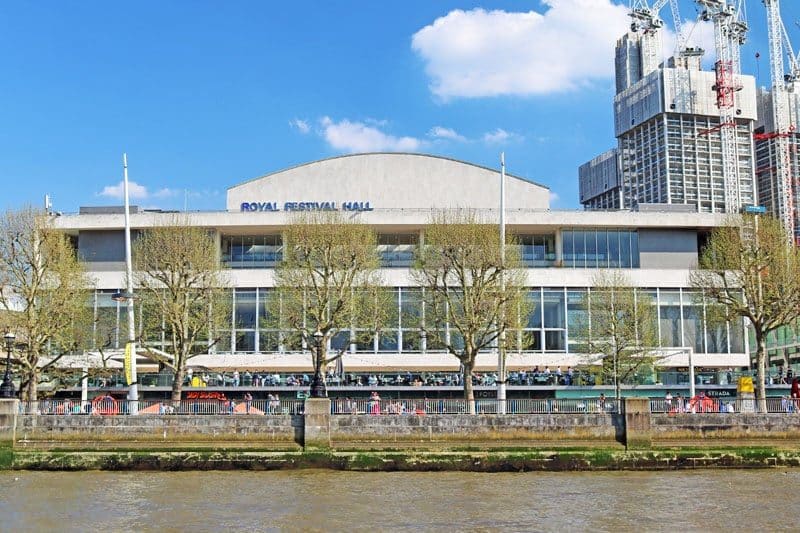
(262, 207)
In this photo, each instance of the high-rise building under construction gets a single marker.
(669, 139)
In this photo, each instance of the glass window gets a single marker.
(591, 248)
(268, 341)
(577, 317)
(387, 341)
(411, 341)
(602, 250)
(554, 341)
(579, 243)
(340, 341)
(535, 318)
(625, 249)
(693, 322)
(568, 248)
(245, 308)
(634, 249)
(670, 318)
(245, 341)
(613, 249)
(553, 309)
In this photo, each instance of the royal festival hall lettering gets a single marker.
(262, 207)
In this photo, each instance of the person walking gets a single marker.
(248, 401)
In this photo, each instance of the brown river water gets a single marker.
(319, 500)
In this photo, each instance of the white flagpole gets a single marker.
(501, 347)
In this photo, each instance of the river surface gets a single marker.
(320, 500)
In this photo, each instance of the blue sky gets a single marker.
(203, 95)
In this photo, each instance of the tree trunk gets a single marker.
(177, 385)
(469, 394)
(761, 374)
(29, 391)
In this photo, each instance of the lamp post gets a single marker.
(501, 341)
(127, 296)
(7, 388)
(318, 389)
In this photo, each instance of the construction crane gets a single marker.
(787, 185)
(729, 34)
(646, 18)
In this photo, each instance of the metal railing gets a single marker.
(700, 405)
(109, 406)
(344, 406)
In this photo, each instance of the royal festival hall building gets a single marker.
(396, 194)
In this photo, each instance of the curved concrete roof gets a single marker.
(389, 180)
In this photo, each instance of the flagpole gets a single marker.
(501, 345)
(133, 391)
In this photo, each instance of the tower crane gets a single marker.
(729, 34)
(787, 183)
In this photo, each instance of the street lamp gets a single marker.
(127, 296)
(318, 389)
(7, 388)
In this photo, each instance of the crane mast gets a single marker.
(729, 35)
(786, 185)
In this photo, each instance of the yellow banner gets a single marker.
(745, 384)
(127, 364)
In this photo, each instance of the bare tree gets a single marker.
(620, 329)
(328, 290)
(752, 270)
(180, 286)
(44, 291)
(471, 296)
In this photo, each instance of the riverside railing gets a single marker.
(706, 404)
(344, 406)
(111, 406)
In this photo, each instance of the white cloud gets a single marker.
(359, 137)
(300, 125)
(481, 53)
(500, 136)
(554, 198)
(440, 132)
(135, 191)
(167, 193)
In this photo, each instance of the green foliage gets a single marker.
(621, 329)
(328, 282)
(43, 291)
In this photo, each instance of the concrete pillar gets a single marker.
(317, 424)
(8, 420)
(638, 435)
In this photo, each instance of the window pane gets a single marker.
(670, 319)
(580, 249)
(591, 249)
(693, 327)
(411, 341)
(553, 309)
(387, 341)
(245, 341)
(613, 249)
(577, 317)
(568, 251)
(535, 318)
(245, 309)
(625, 249)
(554, 341)
(602, 249)
(634, 249)
(268, 341)
(340, 341)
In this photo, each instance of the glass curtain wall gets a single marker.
(600, 248)
(554, 325)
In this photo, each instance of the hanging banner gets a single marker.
(127, 364)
